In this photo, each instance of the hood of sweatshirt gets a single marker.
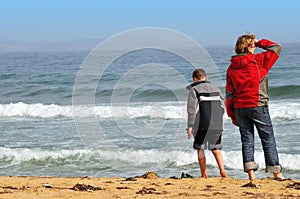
(238, 61)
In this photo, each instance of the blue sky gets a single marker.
(209, 21)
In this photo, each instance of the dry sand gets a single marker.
(148, 185)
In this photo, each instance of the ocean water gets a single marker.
(136, 118)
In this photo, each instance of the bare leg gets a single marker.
(219, 158)
(202, 163)
(251, 175)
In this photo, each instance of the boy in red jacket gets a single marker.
(247, 100)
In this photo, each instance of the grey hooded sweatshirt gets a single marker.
(205, 107)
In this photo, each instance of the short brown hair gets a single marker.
(199, 73)
(243, 42)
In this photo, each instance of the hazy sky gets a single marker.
(207, 21)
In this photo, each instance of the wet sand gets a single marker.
(148, 185)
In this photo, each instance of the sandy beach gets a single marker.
(148, 185)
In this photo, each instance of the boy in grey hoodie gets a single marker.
(205, 110)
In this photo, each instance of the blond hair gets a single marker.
(243, 42)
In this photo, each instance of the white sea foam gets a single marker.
(34, 110)
(285, 109)
(136, 158)
(162, 110)
(153, 110)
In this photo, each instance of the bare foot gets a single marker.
(278, 176)
(223, 174)
(204, 176)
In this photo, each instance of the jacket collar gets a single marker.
(196, 83)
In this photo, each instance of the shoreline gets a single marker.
(148, 185)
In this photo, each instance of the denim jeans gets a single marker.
(259, 117)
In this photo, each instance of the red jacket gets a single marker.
(247, 78)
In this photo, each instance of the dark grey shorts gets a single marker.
(208, 139)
